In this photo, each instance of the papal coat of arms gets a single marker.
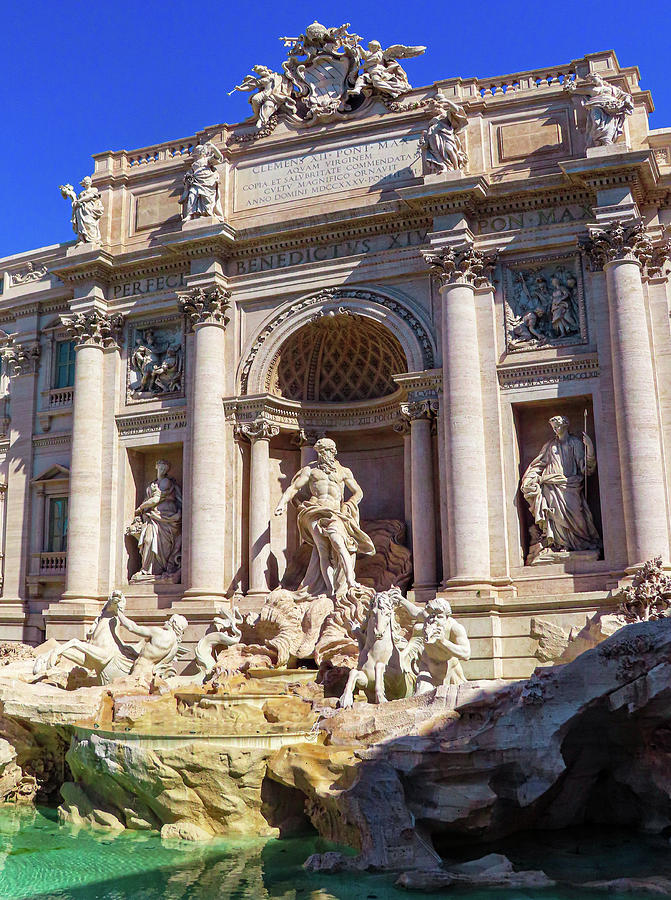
(328, 76)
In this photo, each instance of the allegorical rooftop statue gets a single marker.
(606, 105)
(329, 522)
(201, 184)
(553, 486)
(87, 210)
(443, 150)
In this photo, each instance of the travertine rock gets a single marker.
(493, 870)
(588, 739)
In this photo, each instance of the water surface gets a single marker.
(43, 860)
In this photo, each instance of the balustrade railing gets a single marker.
(53, 563)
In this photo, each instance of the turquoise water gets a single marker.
(43, 860)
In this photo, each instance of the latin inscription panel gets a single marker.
(373, 165)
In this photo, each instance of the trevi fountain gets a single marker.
(335, 519)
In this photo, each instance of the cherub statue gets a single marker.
(87, 210)
(272, 94)
(201, 184)
(442, 146)
(606, 105)
(382, 73)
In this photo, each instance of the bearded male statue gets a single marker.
(329, 522)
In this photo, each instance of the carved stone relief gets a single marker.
(327, 76)
(544, 305)
(156, 361)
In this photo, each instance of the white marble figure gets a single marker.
(201, 195)
(606, 105)
(442, 145)
(161, 646)
(553, 486)
(328, 522)
(444, 644)
(382, 667)
(87, 210)
(226, 634)
(381, 71)
(102, 651)
(158, 527)
(272, 94)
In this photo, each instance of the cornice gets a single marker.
(551, 371)
(151, 422)
(637, 168)
(290, 415)
(93, 265)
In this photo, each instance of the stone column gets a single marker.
(93, 332)
(206, 311)
(22, 362)
(403, 427)
(420, 413)
(622, 249)
(306, 441)
(460, 271)
(259, 434)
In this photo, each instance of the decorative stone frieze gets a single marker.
(463, 264)
(94, 328)
(621, 240)
(551, 372)
(29, 275)
(23, 359)
(258, 430)
(206, 306)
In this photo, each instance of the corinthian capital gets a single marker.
(94, 328)
(23, 359)
(462, 264)
(258, 430)
(206, 306)
(621, 240)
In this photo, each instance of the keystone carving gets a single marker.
(94, 328)
(206, 306)
(462, 264)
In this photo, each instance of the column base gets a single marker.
(478, 592)
(203, 596)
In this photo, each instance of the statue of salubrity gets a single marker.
(554, 487)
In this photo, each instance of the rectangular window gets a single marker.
(65, 364)
(58, 525)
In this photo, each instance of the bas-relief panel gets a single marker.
(155, 368)
(544, 304)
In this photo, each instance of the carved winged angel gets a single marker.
(272, 93)
(381, 70)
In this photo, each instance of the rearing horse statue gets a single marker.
(381, 670)
(103, 651)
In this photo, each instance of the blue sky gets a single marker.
(83, 77)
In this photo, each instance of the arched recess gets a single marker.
(260, 357)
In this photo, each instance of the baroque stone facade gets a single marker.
(425, 275)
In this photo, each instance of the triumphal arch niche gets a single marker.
(457, 293)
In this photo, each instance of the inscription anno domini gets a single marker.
(374, 164)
